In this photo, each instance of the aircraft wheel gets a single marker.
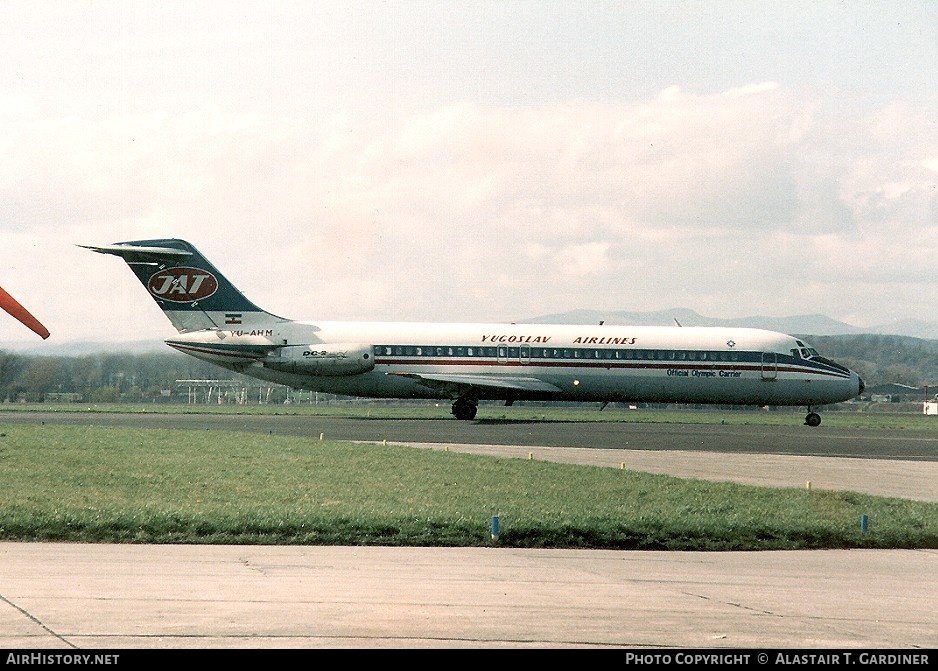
(464, 409)
(813, 419)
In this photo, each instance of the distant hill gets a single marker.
(800, 324)
(890, 354)
(53, 347)
(884, 359)
(881, 357)
(803, 325)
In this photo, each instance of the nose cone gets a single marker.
(860, 385)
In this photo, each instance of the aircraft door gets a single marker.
(525, 354)
(769, 366)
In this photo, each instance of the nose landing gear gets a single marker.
(812, 419)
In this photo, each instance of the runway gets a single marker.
(79, 597)
(793, 439)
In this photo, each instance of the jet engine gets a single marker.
(323, 359)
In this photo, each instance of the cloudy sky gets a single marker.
(472, 160)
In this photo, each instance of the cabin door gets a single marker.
(769, 365)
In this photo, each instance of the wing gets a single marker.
(457, 385)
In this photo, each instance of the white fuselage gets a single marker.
(529, 361)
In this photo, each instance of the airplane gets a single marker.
(12, 306)
(467, 363)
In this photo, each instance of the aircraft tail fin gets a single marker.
(192, 293)
(12, 306)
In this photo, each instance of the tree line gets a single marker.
(883, 359)
(104, 378)
(153, 377)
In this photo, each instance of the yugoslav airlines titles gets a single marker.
(585, 340)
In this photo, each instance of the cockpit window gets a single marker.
(804, 352)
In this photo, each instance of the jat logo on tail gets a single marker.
(182, 284)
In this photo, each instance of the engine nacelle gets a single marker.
(323, 359)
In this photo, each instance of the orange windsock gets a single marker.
(8, 303)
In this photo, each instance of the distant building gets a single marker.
(895, 393)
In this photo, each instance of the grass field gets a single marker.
(96, 484)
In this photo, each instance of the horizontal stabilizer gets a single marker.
(221, 353)
(132, 253)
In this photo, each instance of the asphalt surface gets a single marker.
(71, 597)
(796, 439)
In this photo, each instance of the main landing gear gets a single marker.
(465, 408)
(813, 419)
